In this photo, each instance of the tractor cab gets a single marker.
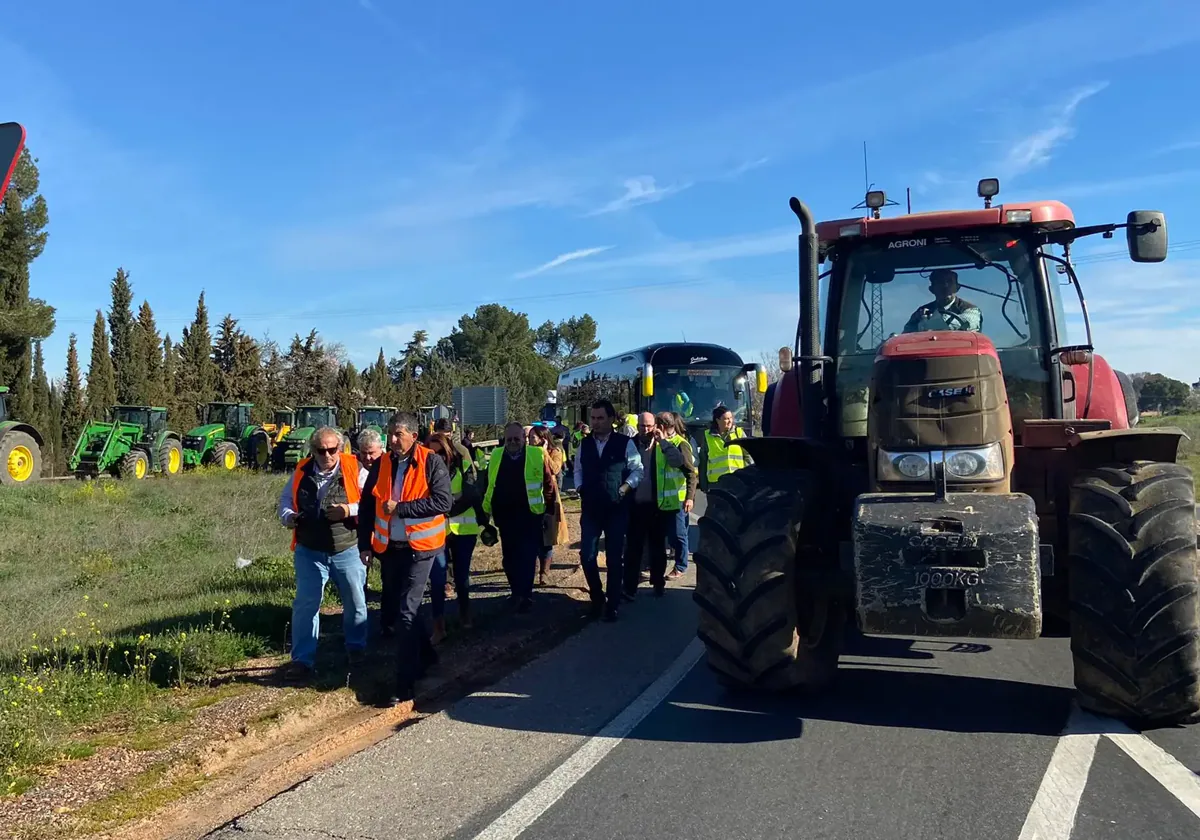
(315, 416)
(373, 417)
(3, 403)
(235, 417)
(284, 417)
(151, 419)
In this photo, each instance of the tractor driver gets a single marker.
(947, 311)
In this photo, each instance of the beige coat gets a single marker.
(554, 525)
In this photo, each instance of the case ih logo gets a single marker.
(908, 243)
(947, 393)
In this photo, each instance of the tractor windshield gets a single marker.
(229, 416)
(982, 281)
(694, 392)
(373, 417)
(136, 416)
(314, 418)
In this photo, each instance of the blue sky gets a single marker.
(370, 167)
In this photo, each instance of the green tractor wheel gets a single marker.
(226, 456)
(170, 457)
(20, 459)
(134, 465)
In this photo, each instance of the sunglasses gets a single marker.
(321, 450)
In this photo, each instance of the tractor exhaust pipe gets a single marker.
(809, 360)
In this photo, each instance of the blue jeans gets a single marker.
(313, 571)
(679, 539)
(612, 521)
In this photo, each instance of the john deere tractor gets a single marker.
(294, 446)
(227, 438)
(20, 448)
(132, 444)
(946, 460)
(370, 417)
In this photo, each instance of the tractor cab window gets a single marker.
(136, 416)
(979, 281)
(374, 417)
(694, 392)
(314, 417)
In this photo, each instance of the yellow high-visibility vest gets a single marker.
(463, 524)
(535, 470)
(723, 459)
(672, 486)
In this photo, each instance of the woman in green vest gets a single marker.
(464, 528)
(719, 456)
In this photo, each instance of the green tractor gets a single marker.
(20, 448)
(371, 417)
(132, 444)
(227, 438)
(294, 446)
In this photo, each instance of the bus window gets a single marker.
(695, 392)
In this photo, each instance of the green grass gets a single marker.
(1189, 450)
(115, 597)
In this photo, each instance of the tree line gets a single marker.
(132, 362)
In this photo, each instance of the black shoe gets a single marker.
(659, 591)
(525, 605)
(387, 632)
(610, 613)
(596, 609)
(629, 595)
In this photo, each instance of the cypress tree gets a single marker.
(101, 384)
(74, 414)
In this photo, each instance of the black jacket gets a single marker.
(440, 499)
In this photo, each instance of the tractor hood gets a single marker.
(302, 434)
(206, 430)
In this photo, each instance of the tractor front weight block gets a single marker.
(964, 565)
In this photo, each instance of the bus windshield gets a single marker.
(694, 392)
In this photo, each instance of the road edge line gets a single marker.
(1163, 767)
(526, 810)
(1055, 806)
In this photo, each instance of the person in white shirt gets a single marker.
(320, 505)
(607, 469)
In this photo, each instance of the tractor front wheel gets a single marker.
(170, 457)
(258, 449)
(770, 615)
(226, 455)
(20, 459)
(1135, 593)
(135, 465)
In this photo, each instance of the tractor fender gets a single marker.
(1123, 446)
(165, 436)
(17, 426)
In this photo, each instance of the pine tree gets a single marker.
(101, 383)
(128, 366)
(170, 372)
(150, 349)
(23, 220)
(39, 414)
(349, 394)
(53, 435)
(74, 414)
(196, 376)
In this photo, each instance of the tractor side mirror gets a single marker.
(1146, 236)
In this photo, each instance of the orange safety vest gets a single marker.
(350, 468)
(424, 534)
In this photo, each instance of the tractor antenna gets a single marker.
(866, 175)
(872, 200)
(908, 195)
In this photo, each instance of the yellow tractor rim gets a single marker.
(139, 469)
(20, 463)
(230, 459)
(174, 461)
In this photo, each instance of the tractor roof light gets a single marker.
(876, 199)
(850, 230)
(1018, 217)
(989, 187)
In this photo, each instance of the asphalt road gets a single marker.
(931, 739)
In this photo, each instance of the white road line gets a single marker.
(1167, 770)
(532, 805)
(1052, 815)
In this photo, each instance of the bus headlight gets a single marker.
(984, 463)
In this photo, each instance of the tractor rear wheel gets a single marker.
(226, 455)
(258, 450)
(135, 465)
(170, 457)
(20, 459)
(1135, 593)
(768, 616)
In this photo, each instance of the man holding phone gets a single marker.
(320, 505)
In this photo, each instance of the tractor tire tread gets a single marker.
(746, 584)
(1135, 593)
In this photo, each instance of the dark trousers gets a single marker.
(647, 526)
(520, 542)
(611, 521)
(414, 651)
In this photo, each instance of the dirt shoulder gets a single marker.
(220, 750)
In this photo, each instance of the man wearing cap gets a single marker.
(947, 311)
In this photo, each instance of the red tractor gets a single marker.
(943, 462)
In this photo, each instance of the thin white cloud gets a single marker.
(640, 190)
(703, 252)
(1113, 186)
(1036, 149)
(1181, 146)
(561, 259)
